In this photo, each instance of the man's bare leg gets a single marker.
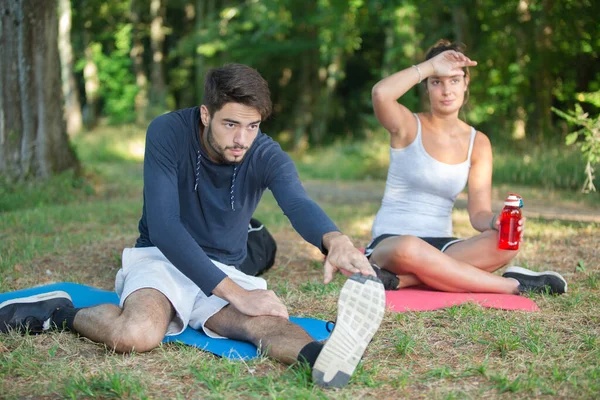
(140, 325)
(276, 337)
(361, 306)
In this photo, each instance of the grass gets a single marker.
(75, 231)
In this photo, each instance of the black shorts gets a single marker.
(440, 243)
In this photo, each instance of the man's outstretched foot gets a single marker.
(389, 279)
(361, 306)
(537, 282)
(32, 314)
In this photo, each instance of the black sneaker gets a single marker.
(389, 279)
(361, 306)
(537, 282)
(32, 314)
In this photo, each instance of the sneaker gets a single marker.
(32, 314)
(537, 282)
(389, 279)
(361, 306)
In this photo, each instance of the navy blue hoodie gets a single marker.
(196, 210)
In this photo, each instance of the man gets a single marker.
(205, 170)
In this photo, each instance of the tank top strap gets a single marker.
(471, 142)
(418, 125)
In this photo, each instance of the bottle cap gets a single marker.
(513, 201)
(519, 197)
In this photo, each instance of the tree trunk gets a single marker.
(199, 62)
(33, 140)
(544, 83)
(69, 85)
(302, 113)
(388, 46)
(460, 22)
(186, 96)
(92, 84)
(158, 90)
(137, 56)
(329, 82)
(540, 122)
(522, 49)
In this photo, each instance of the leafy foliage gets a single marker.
(587, 137)
(322, 58)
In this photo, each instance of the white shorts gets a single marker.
(147, 267)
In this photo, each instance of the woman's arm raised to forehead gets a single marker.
(395, 117)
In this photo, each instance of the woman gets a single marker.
(433, 156)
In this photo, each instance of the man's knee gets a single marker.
(139, 336)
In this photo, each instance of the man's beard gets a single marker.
(219, 152)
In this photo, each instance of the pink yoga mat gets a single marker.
(426, 299)
(423, 298)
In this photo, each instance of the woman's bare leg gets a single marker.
(416, 261)
(481, 251)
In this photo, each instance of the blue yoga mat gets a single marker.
(85, 296)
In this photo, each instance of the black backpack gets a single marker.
(261, 249)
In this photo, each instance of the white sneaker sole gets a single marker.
(37, 297)
(361, 306)
(528, 272)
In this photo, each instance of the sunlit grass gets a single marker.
(111, 143)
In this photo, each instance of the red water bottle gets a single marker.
(509, 236)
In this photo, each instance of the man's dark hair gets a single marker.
(236, 83)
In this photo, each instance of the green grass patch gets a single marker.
(60, 189)
(106, 385)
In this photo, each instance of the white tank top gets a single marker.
(420, 191)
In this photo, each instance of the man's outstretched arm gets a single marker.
(311, 222)
(341, 254)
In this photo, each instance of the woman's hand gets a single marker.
(450, 63)
(521, 228)
(495, 224)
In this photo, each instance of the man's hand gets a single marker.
(260, 302)
(251, 302)
(341, 254)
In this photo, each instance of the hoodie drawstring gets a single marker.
(231, 188)
(231, 192)
(198, 161)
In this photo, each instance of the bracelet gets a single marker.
(419, 71)
(493, 222)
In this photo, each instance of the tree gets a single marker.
(137, 56)
(33, 139)
(69, 85)
(158, 87)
